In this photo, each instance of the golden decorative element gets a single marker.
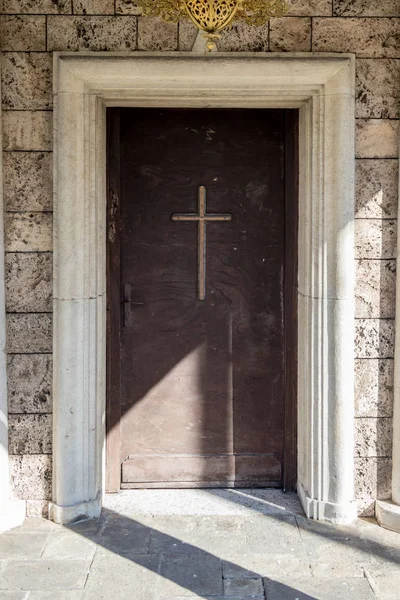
(211, 16)
(201, 217)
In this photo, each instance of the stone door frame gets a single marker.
(322, 87)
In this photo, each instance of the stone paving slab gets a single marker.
(191, 573)
(114, 577)
(235, 554)
(22, 545)
(44, 574)
(313, 588)
(69, 545)
(71, 595)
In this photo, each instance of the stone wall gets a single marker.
(29, 32)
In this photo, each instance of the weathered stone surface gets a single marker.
(26, 80)
(373, 438)
(31, 476)
(290, 34)
(28, 181)
(377, 88)
(30, 434)
(373, 478)
(374, 38)
(36, 6)
(244, 587)
(243, 38)
(127, 7)
(375, 289)
(375, 238)
(374, 338)
(28, 232)
(187, 33)
(366, 8)
(384, 585)
(309, 8)
(29, 333)
(110, 571)
(374, 387)
(38, 508)
(22, 546)
(93, 7)
(26, 130)
(377, 138)
(155, 34)
(45, 575)
(29, 382)
(22, 33)
(28, 282)
(308, 588)
(67, 544)
(377, 188)
(91, 33)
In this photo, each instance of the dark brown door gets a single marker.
(201, 228)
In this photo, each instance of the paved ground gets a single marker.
(176, 545)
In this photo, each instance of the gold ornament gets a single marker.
(211, 16)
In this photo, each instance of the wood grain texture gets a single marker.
(203, 382)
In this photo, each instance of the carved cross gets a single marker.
(202, 217)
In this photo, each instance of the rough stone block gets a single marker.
(28, 333)
(31, 476)
(91, 33)
(366, 8)
(373, 438)
(127, 7)
(243, 38)
(375, 289)
(26, 130)
(290, 34)
(93, 7)
(377, 188)
(377, 138)
(26, 80)
(377, 88)
(30, 434)
(374, 338)
(309, 8)
(39, 508)
(187, 34)
(155, 34)
(28, 181)
(374, 387)
(29, 379)
(28, 232)
(373, 478)
(22, 33)
(28, 282)
(375, 238)
(40, 7)
(373, 38)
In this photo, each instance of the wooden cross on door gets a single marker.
(201, 217)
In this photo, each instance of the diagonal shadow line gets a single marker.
(162, 554)
(338, 533)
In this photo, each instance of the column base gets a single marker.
(388, 514)
(64, 515)
(320, 510)
(12, 514)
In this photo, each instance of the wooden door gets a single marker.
(201, 298)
